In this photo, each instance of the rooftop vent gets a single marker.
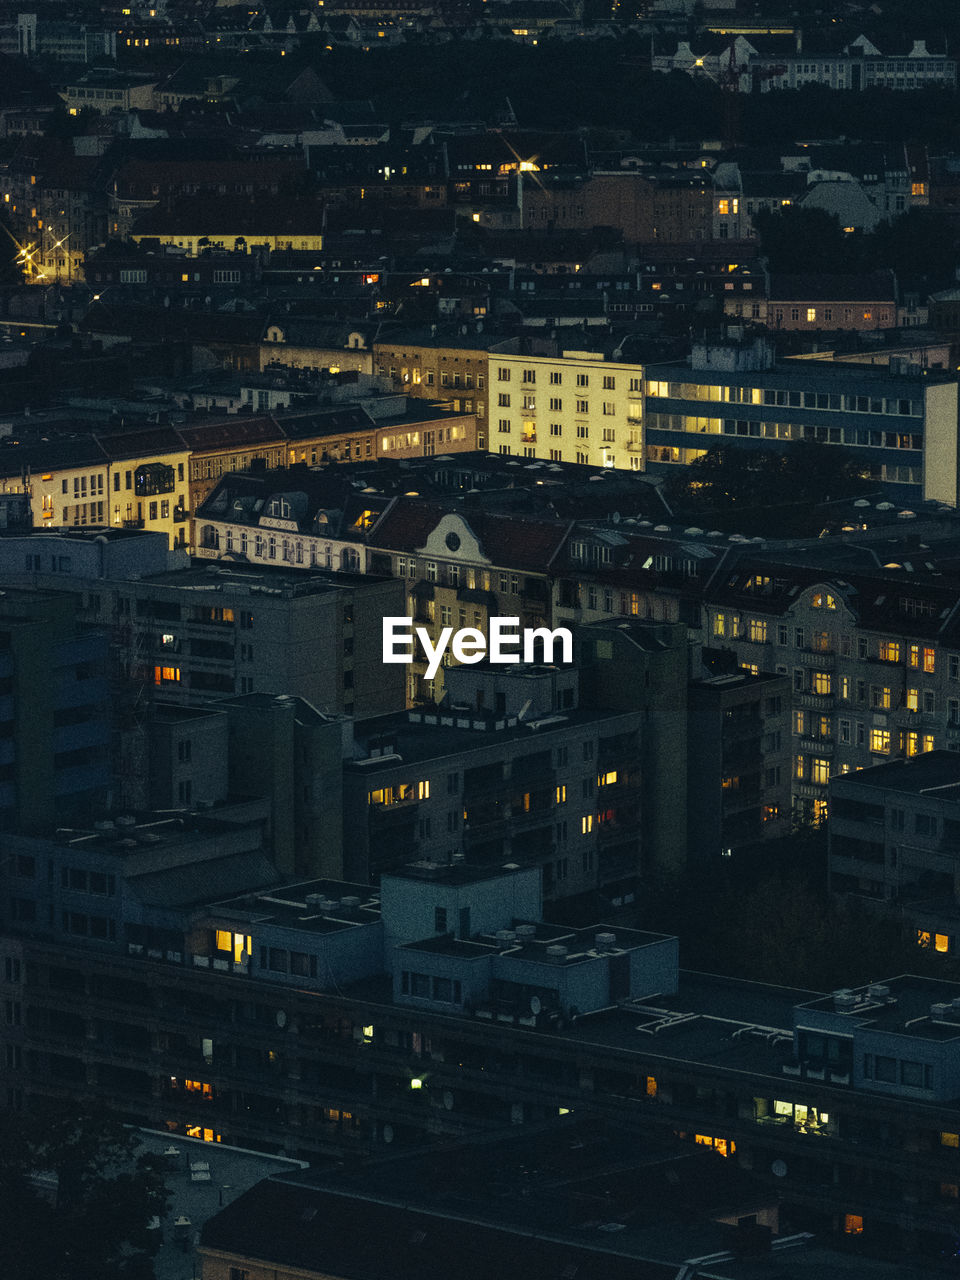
(605, 941)
(556, 953)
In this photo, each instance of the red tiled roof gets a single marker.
(511, 541)
(231, 432)
(141, 444)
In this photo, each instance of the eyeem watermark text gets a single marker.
(506, 642)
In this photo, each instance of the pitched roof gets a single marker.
(873, 286)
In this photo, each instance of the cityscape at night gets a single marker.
(479, 640)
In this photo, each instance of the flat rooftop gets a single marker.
(580, 944)
(935, 773)
(909, 1005)
(227, 575)
(312, 906)
(439, 734)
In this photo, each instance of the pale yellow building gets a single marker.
(578, 407)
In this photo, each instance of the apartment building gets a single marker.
(654, 204)
(461, 568)
(895, 842)
(900, 425)
(209, 632)
(431, 366)
(118, 479)
(873, 661)
(54, 726)
(516, 774)
(319, 1018)
(579, 407)
(738, 762)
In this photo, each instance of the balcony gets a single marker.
(817, 746)
(825, 659)
(180, 514)
(132, 524)
(810, 790)
(815, 701)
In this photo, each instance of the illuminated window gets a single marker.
(811, 314)
(922, 657)
(822, 682)
(423, 790)
(880, 741)
(199, 1086)
(889, 651)
(722, 1145)
(560, 796)
(853, 1224)
(238, 945)
(719, 627)
(941, 943)
(913, 700)
(823, 600)
(819, 770)
(166, 675)
(950, 1139)
(651, 1087)
(757, 630)
(207, 1135)
(607, 779)
(923, 938)
(586, 824)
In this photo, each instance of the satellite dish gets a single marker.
(448, 1099)
(388, 1133)
(536, 1005)
(281, 1019)
(779, 1169)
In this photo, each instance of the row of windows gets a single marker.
(759, 630)
(889, 1070)
(816, 724)
(608, 382)
(424, 986)
(837, 402)
(855, 437)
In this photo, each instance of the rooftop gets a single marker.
(314, 906)
(935, 773)
(418, 736)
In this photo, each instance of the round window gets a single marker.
(453, 541)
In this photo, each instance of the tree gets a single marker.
(796, 240)
(757, 490)
(95, 1218)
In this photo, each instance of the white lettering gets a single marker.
(396, 632)
(469, 646)
(549, 639)
(502, 641)
(434, 653)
